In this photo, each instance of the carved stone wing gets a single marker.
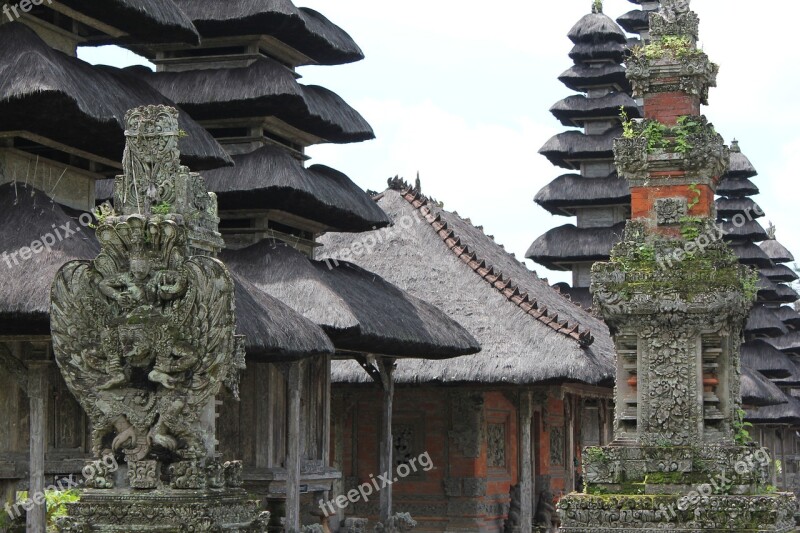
(206, 320)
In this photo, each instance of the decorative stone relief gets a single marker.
(557, 446)
(144, 338)
(404, 443)
(467, 422)
(674, 18)
(399, 523)
(669, 211)
(496, 438)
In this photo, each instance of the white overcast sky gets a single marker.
(460, 90)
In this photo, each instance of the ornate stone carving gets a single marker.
(404, 436)
(669, 211)
(496, 439)
(674, 18)
(556, 446)
(356, 525)
(144, 474)
(467, 423)
(474, 487)
(512, 522)
(693, 74)
(399, 523)
(144, 337)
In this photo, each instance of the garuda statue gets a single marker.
(144, 333)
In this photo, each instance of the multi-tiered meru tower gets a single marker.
(675, 298)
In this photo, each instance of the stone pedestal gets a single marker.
(164, 511)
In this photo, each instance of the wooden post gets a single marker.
(294, 445)
(525, 458)
(387, 443)
(37, 394)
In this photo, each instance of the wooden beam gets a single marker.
(37, 394)
(293, 444)
(526, 462)
(386, 367)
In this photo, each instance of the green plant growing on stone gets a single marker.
(669, 47)
(742, 435)
(595, 454)
(627, 123)
(56, 501)
(182, 134)
(690, 227)
(695, 198)
(162, 208)
(778, 467)
(750, 284)
(597, 6)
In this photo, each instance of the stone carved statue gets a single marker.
(672, 9)
(144, 336)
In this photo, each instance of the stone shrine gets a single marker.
(144, 337)
(675, 298)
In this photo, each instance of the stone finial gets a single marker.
(597, 6)
(735, 146)
(155, 183)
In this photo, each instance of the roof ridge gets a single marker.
(494, 278)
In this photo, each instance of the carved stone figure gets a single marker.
(545, 510)
(672, 9)
(144, 337)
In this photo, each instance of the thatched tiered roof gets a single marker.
(272, 330)
(582, 77)
(729, 207)
(573, 190)
(264, 88)
(765, 358)
(758, 391)
(740, 166)
(145, 21)
(303, 29)
(788, 343)
(359, 310)
(780, 273)
(634, 21)
(750, 254)
(28, 215)
(64, 99)
(567, 149)
(737, 187)
(776, 251)
(569, 243)
(529, 332)
(762, 321)
(749, 230)
(271, 178)
(574, 110)
(785, 413)
(788, 315)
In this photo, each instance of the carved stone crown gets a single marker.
(155, 183)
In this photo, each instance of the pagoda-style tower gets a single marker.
(592, 192)
(675, 298)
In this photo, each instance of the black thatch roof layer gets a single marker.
(786, 294)
(762, 321)
(750, 254)
(572, 110)
(788, 315)
(565, 148)
(28, 215)
(359, 310)
(274, 330)
(762, 356)
(146, 21)
(581, 77)
(610, 51)
(728, 207)
(517, 317)
(750, 231)
(568, 243)
(786, 413)
(740, 165)
(634, 21)
(305, 30)
(767, 289)
(776, 251)
(596, 28)
(271, 178)
(65, 99)
(737, 187)
(574, 190)
(788, 343)
(758, 391)
(264, 88)
(780, 273)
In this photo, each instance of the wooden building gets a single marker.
(503, 429)
(234, 73)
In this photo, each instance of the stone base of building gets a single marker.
(613, 513)
(164, 511)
